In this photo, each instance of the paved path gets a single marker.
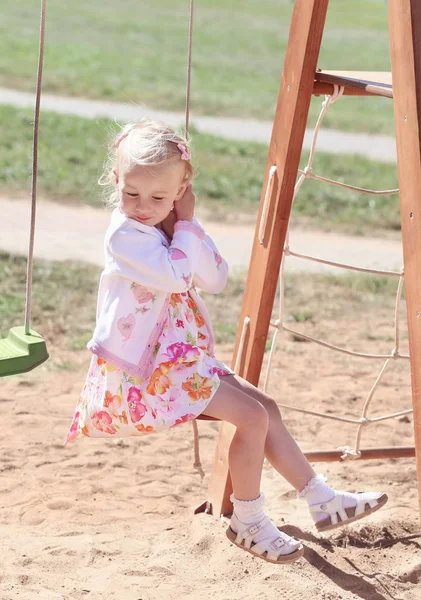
(66, 232)
(378, 147)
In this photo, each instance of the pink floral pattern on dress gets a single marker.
(103, 422)
(169, 403)
(113, 403)
(182, 353)
(183, 419)
(219, 371)
(183, 382)
(137, 410)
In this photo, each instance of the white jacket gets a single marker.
(142, 270)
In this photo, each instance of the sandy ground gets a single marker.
(113, 519)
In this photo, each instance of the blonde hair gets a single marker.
(148, 143)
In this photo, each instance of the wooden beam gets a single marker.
(405, 46)
(359, 82)
(294, 98)
(322, 88)
(316, 456)
(366, 454)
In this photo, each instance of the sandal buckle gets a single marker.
(254, 529)
(277, 544)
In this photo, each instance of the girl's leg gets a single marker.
(285, 456)
(246, 452)
(249, 527)
(281, 450)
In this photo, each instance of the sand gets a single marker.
(114, 519)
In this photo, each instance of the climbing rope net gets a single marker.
(308, 173)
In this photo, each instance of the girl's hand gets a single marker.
(168, 224)
(184, 208)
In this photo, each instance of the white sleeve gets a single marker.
(212, 270)
(147, 261)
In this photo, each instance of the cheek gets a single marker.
(127, 206)
(165, 207)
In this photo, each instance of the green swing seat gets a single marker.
(21, 352)
(24, 349)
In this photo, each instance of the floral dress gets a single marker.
(183, 382)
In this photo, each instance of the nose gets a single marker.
(140, 205)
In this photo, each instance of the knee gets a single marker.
(257, 417)
(271, 407)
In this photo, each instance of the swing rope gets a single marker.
(34, 172)
(197, 462)
(364, 420)
(24, 349)
(189, 62)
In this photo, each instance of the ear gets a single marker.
(181, 191)
(115, 176)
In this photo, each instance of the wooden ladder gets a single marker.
(300, 79)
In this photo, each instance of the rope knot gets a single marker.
(307, 170)
(364, 421)
(349, 453)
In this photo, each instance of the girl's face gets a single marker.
(147, 194)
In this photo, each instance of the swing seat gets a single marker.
(21, 352)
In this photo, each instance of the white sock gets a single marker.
(250, 512)
(318, 492)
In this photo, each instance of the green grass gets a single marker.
(64, 299)
(229, 174)
(136, 52)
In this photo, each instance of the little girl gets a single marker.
(153, 365)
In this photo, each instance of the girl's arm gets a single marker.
(144, 258)
(212, 270)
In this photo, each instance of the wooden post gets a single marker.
(405, 45)
(294, 98)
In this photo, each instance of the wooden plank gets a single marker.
(405, 45)
(285, 149)
(321, 88)
(284, 152)
(221, 484)
(366, 454)
(359, 82)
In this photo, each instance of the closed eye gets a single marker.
(156, 198)
(132, 195)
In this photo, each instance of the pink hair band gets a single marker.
(184, 154)
(120, 139)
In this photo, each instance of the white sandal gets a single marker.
(339, 516)
(281, 550)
